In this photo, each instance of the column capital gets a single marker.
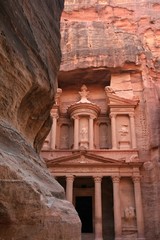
(116, 179)
(113, 115)
(131, 115)
(136, 179)
(92, 117)
(54, 113)
(70, 177)
(97, 179)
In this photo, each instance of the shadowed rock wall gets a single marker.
(32, 204)
(121, 37)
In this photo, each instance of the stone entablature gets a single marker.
(118, 155)
(87, 162)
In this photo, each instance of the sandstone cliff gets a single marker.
(32, 204)
(101, 38)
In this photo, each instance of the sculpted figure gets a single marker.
(84, 133)
(129, 213)
(124, 130)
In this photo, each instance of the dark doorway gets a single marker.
(84, 209)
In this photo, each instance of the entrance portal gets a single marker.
(84, 209)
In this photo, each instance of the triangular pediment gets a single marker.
(83, 159)
(115, 100)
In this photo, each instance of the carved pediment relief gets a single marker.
(115, 100)
(83, 159)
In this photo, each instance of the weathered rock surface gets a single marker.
(102, 38)
(32, 204)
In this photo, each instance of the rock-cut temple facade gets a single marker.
(92, 151)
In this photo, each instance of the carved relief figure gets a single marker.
(124, 138)
(84, 133)
(124, 130)
(129, 213)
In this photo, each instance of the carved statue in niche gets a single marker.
(129, 213)
(124, 141)
(84, 133)
(84, 138)
(123, 131)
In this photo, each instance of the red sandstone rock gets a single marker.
(32, 204)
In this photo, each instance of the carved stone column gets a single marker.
(76, 132)
(69, 188)
(139, 207)
(113, 129)
(133, 133)
(117, 208)
(98, 208)
(91, 144)
(54, 116)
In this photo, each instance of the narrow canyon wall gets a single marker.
(32, 204)
(122, 39)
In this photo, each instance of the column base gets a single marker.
(98, 238)
(141, 238)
